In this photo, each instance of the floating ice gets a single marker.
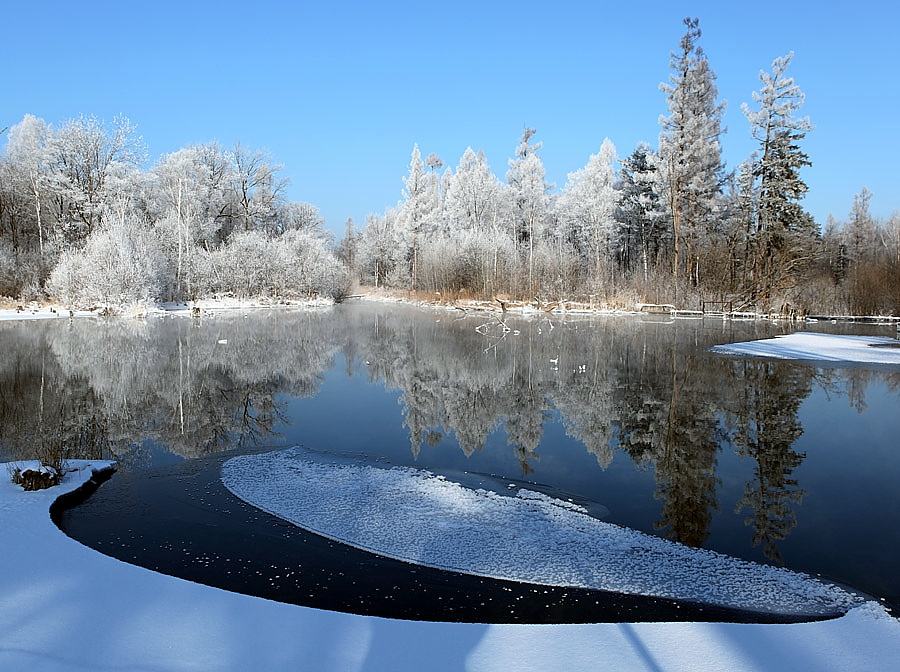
(810, 346)
(416, 516)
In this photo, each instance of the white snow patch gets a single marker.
(810, 346)
(416, 516)
(33, 312)
(65, 607)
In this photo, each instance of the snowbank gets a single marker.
(65, 607)
(809, 346)
(415, 516)
(226, 304)
(41, 313)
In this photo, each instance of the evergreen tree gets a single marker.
(640, 232)
(783, 228)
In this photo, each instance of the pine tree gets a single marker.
(639, 212)
(782, 227)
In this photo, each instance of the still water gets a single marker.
(778, 462)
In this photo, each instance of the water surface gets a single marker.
(780, 462)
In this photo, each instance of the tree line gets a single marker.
(667, 224)
(81, 222)
(84, 223)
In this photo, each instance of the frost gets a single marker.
(416, 516)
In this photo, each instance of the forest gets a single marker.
(84, 222)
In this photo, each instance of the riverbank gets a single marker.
(66, 607)
(50, 311)
(502, 305)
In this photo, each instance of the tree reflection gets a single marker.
(648, 392)
(767, 427)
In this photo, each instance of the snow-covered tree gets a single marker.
(528, 190)
(689, 146)
(94, 167)
(782, 226)
(588, 205)
(415, 210)
(640, 212)
(28, 151)
(471, 193)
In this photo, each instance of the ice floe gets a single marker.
(419, 517)
(811, 346)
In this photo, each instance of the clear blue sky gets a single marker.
(339, 92)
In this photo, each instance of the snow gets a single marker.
(223, 304)
(140, 310)
(416, 516)
(41, 313)
(810, 346)
(65, 607)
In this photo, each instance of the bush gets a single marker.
(121, 263)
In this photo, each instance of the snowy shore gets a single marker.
(576, 308)
(34, 311)
(66, 607)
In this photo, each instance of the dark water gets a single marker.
(778, 462)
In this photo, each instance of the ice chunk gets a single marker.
(810, 346)
(416, 516)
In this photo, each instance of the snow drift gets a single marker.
(416, 516)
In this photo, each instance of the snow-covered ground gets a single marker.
(810, 346)
(46, 311)
(65, 607)
(416, 516)
(227, 304)
(34, 312)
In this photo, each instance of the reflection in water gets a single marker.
(621, 387)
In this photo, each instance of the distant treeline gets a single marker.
(82, 223)
(666, 224)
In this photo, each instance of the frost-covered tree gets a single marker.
(689, 146)
(121, 262)
(415, 210)
(861, 230)
(471, 193)
(640, 212)
(528, 190)
(257, 189)
(783, 228)
(381, 250)
(28, 151)
(588, 205)
(95, 166)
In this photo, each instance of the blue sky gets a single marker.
(339, 92)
